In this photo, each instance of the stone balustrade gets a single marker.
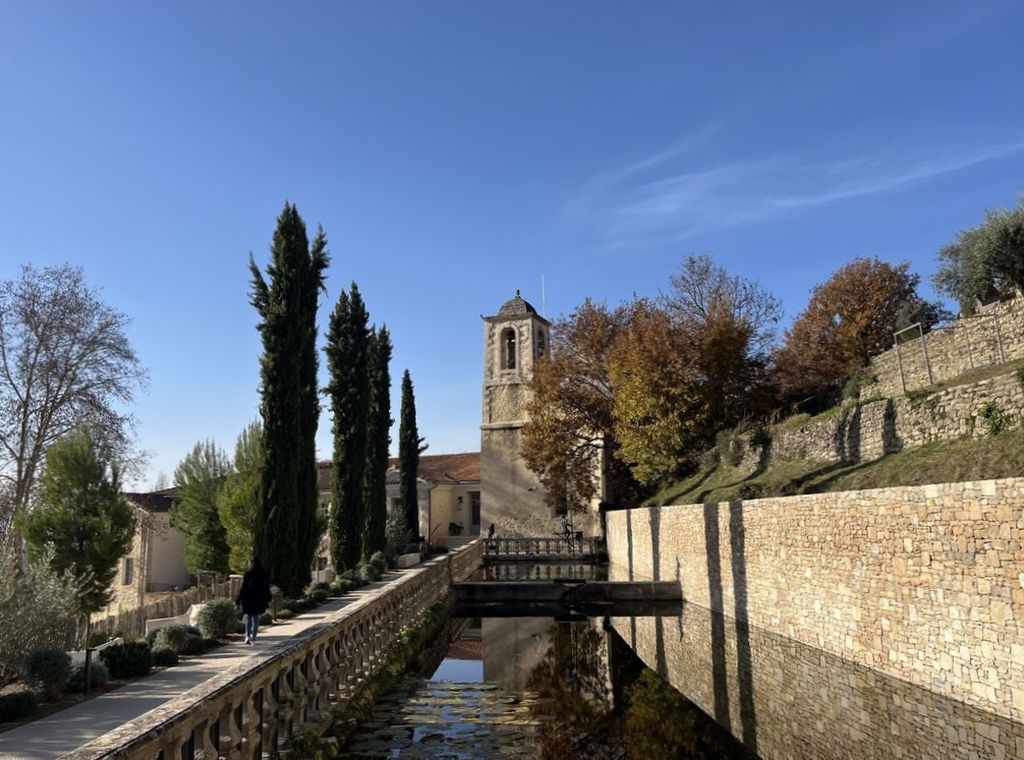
(252, 710)
(528, 549)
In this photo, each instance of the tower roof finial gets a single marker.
(516, 307)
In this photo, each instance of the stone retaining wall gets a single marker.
(924, 584)
(869, 431)
(990, 338)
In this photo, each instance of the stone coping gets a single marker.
(160, 719)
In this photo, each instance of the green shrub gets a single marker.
(285, 614)
(396, 536)
(173, 637)
(266, 618)
(996, 420)
(305, 743)
(379, 561)
(97, 638)
(368, 573)
(191, 630)
(857, 382)
(98, 676)
(761, 437)
(218, 618)
(47, 671)
(194, 645)
(17, 705)
(319, 596)
(295, 606)
(731, 445)
(342, 586)
(164, 657)
(132, 659)
(318, 586)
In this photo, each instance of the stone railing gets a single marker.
(252, 710)
(526, 549)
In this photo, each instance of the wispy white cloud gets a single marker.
(659, 199)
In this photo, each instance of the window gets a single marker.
(508, 348)
(127, 570)
(541, 343)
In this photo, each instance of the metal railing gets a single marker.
(526, 549)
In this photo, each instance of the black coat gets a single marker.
(255, 593)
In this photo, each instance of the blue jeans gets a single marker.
(252, 625)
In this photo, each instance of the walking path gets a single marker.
(69, 729)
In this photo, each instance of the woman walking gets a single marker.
(253, 597)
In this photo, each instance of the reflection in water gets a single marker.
(536, 688)
(808, 703)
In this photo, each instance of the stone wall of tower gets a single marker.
(511, 494)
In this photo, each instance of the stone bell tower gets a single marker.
(514, 339)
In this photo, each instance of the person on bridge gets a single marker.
(253, 598)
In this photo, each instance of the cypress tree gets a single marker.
(286, 521)
(378, 441)
(347, 363)
(410, 446)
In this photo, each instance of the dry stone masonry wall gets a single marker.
(991, 338)
(868, 431)
(923, 584)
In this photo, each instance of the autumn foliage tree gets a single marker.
(729, 323)
(649, 383)
(570, 408)
(850, 318)
(657, 405)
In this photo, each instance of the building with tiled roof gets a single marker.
(448, 488)
(156, 560)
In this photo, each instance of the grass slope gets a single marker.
(944, 462)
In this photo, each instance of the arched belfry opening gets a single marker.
(515, 337)
(508, 348)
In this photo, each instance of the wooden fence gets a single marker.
(132, 623)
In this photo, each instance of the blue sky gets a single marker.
(456, 151)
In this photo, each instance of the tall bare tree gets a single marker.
(65, 360)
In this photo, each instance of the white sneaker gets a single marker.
(248, 640)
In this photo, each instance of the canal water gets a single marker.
(644, 682)
(537, 687)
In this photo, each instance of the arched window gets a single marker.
(508, 348)
(541, 343)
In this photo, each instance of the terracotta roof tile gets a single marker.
(434, 468)
(155, 501)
